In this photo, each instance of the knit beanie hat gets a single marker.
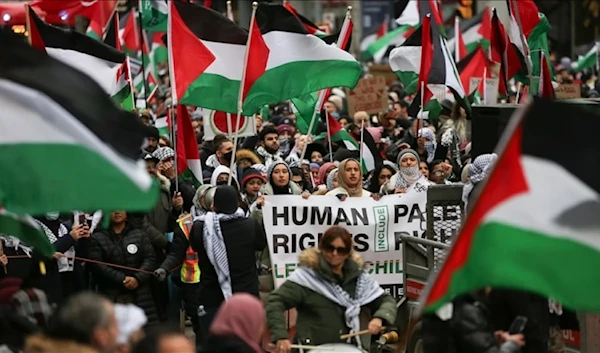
(275, 164)
(249, 174)
(407, 151)
(226, 199)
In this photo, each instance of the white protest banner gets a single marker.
(293, 224)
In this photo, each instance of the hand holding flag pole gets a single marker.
(241, 92)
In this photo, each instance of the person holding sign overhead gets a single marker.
(328, 289)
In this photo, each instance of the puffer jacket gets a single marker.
(132, 249)
(469, 330)
(319, 319)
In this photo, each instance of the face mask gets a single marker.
(222, 182)
(410, 174)
(227, 156)
(52, 216)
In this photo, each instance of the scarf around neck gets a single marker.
(269, 158)
(367, 290)
(214, 244)
(66, 263)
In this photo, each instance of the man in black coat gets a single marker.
(241, 237)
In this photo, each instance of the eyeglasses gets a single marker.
(341, 250)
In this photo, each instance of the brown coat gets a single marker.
(40, 343)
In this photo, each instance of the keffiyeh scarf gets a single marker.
(367, 290)
(269, 158)
(478, 170)
(15, 243)
(214, 244)
(430, 143)
(407, 176)
(330, 178)
(66, 263)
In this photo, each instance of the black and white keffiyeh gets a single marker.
(269, 158)
(66, 263)
(430, 143)
(15, 243)
(163, 153)
(214, 244)
(477, 172)
(367, 290)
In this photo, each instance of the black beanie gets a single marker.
(226, 199)
(152, 131)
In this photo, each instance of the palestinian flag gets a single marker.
(460, 49)
(504, 53)
(474, 65)
(476, 31)
(405, 61)
(310, 27)
(124, 95)
(74, 148)
(546, 89)
(154, 15)
(382, 47)
(159, 53)
(307, 105)
(589, 60)
(519, 234)
(281, 52)
(188, 157)
(424, 58)
(101, 20)
(336, 133)
(94, 58)
(112, 37)
(130, 35)
(412, 12)
(162, 124)
(27, 230)
(64, 12)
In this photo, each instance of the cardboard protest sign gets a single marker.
(293, 224)
(369, 95)
(568, 91)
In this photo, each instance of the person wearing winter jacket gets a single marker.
(328, 289)
(123, 244)
(465, 326)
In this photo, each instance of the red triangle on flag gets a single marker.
(258, 55)
(186, 68)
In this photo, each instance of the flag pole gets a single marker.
(362, 134)
(321, 99)
(518, 92)
(229, 127)
(28, 23)
(422, 106)
(523, 42)
(230, 12)
(456, 44)
(141, 34)
(312, 121)
(241, 92)
(484, 86)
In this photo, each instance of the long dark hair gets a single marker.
(374, 182)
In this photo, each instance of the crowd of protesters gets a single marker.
(117, 280)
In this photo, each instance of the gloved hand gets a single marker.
(160, 274)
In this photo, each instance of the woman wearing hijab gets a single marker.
(350, 180)
(321, 180)
(328, 289)
(238, 326)
(332, 180)
(426, 144)
(409, 176)
(477, 172)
